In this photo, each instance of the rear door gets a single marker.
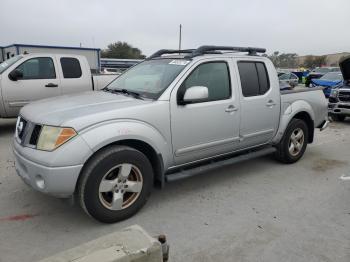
(260, 102)
(75, 74)
(40, 80)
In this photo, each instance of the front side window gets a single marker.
(70, 67)
(215, 76)
(254, 78)
(38, 68)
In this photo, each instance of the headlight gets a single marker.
(52, 137)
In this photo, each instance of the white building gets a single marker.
(91, 54)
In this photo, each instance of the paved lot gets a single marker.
(255, 211)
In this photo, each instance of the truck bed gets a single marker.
(304, 98)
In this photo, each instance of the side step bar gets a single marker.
(221, 163)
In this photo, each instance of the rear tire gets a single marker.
(293, 143)
(115, 184)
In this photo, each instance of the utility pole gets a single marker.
(180, 36)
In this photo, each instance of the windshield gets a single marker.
(6, 64)
(149, 78)
(333, 76)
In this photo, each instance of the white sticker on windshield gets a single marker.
(179, 62)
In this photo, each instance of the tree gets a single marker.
(314, 61)
(283, 60)
(122, 50)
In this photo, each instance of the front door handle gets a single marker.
(231, 108)
(270, 103)
(51, 85)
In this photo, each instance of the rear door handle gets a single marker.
(51, 85)
(270, 103)
(231, 108)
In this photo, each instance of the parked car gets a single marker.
(328, 81)
(318, 73)
(26, 78)
(167, 118)
(339, 99)
(288, 79)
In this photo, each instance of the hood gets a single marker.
(83, 107)
(344, 65)
(327, 83)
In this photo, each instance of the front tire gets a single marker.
(294, 142)
(115, 184)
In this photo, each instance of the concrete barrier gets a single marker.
(131, 244)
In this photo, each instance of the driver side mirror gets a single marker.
(15, 75)
(195, 94)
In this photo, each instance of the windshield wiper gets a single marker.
(106, 89)
(127, 92)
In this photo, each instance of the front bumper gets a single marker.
(339, 108)
(54, 173)
(55, 181)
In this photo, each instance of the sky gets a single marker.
(290, 26)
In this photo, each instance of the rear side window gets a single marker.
(71, 67)
(263, 78)
(254, 78)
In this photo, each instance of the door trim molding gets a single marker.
(259, 133)
(204, 146)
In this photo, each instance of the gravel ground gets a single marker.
(253, 211)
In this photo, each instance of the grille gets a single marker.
(331, 106)
(35, 135)
(344, 96)
(333, 100)
(344, 106)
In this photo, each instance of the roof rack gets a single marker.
(208, 49)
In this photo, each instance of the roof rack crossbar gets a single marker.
(170, 51)
(208, 48)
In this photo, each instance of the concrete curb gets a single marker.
(130, 244)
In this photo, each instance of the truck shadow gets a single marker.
(7, 126)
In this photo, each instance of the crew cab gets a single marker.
(26, 78)
(174, 115)
(339, 99)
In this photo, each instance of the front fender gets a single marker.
(103, 134)
(289, 111)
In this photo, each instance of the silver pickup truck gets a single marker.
(174, 115)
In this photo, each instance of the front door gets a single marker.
(210, 127)
(39, 81)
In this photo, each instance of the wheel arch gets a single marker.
(297, 110)
(155, 158)
(135, 134)
(303, 115)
